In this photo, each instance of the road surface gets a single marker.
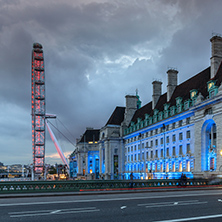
(199, 205)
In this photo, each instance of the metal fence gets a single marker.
(81, 185)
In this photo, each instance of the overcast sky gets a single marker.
(96, 52)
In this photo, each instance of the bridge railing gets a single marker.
(81, 185)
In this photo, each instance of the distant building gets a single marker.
(177, 132)
(85, 159)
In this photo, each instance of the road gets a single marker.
(198, 205)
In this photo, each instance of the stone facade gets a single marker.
(177, 132)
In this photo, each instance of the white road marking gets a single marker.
(56, 211)
(182, 204)
(123, 207)
(191, 218)
(50, 212)
(110, 199)
(163, 203)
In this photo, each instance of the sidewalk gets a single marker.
(110, 191)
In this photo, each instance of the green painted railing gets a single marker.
(87, 185)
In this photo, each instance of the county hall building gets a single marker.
(177, 132)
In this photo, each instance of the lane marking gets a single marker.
(54, 212)
(48, 211)
(191, 218)
(63, 211)
(111, 199)
(172, 202)
(182, 204)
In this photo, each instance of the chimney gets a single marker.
(172, 82)
(216, 54)
(157, 91)
(131, 107)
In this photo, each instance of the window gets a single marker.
(147, 155)
(188, 148)
(180, 136)
(161, 152)
(135, 157)
(174, 138)
(174, 151)
(151, 132)
(167, 127)
(167, 152)
(142, 156)
(173, 125)
(131, 148)
(180, 122)
(142, 145)
(188, 134)
(156, 131)
(161, 141)
(167, 139)
(188, 120)
(151, 154)
(131, 157)
(135, 148)
(156, 142)
(180, 150)
(156, 153)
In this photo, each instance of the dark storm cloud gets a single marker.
(95, 53)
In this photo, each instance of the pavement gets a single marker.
(110, 191)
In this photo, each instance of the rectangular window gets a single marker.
(151, 154)
(135, 157)
(180, 122)
(174, 138)
(188, 148)
(156, 153)
(156, 142)
(156, 131)
(161, 141)
(151, 143)
(142, 156)
(180, 136)
(180, 150)
(131, 148)
(167, 152)
(131, 157)
(188, 134)
(142, 145)
(188, 120)
(174, 151)
(161, 152)
(167, 139)
(151, 132)
(173, 125)
(167, 127)
(147, 155)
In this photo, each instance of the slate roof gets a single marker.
(198, 82)
(117, 116)
(90, 135)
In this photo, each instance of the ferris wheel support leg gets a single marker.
(58, 148)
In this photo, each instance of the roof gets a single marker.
(90, 135)
(198, 82)
(117, 116)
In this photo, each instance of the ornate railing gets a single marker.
(87, 185)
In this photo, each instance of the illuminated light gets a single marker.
(221, 152)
